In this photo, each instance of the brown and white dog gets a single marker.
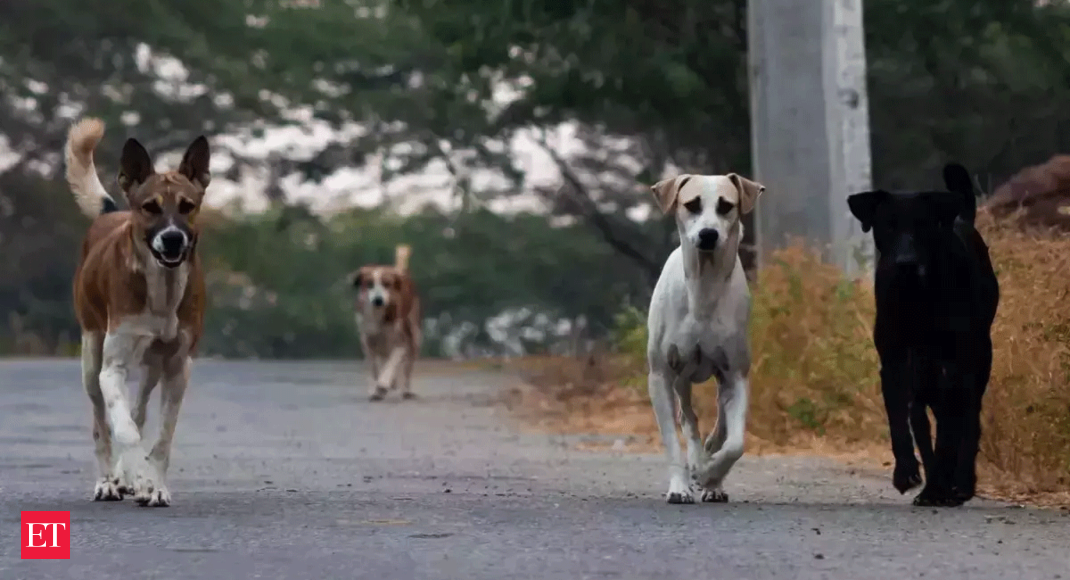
(388, 318)
(139, 296)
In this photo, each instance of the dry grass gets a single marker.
(815, 384)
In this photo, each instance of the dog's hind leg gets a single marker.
(938, 490)
(661, 398)
(175, 380)
(406, 376)
(732, 397)
(973, 388)
(375, 392)
(921, 428)
(696, 456)
(107, 486)
(714, 442)
(149, 380)
(927, 381)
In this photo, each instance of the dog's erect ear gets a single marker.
(667, 190)
(864, 206)
(195, 162)
(135, 165)
(945, 206)
(356, 279)
(749, 192)
(957, 179)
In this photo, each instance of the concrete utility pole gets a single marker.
(810, 124)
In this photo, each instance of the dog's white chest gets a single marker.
(696, 357)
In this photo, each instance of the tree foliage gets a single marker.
(643, 87)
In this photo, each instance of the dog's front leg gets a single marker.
(896, 388)
(661, 398)
(119, 350)
(732, 397)
(973, 386)
(389, 374)
(406, 375)
(107, 485)
(175, 381)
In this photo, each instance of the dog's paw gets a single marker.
(965, 494)
(965, 487)
(155, 496)
(108, 489)
(378, 394)
(716, 495)
(679, 492)
(141, 480)
(906, 477)
(934, 497)
(680, 497)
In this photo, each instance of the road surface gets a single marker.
(284, 471)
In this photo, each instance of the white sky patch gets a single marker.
(352, 185)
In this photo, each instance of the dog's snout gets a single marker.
(377, 301)
(707, 239)
(173, 242)
(170, 244)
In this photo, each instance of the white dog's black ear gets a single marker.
(864, 206)
(749, 192)
(666, 191)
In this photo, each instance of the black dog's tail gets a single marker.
(957, 179)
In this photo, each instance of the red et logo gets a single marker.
(46, 536)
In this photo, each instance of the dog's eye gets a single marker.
(186, 207)
(724, 206)
(694, 206)
(152, 207)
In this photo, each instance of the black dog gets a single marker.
(937, 296)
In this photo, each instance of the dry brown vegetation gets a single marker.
(815, 384)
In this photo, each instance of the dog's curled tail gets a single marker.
(958, 180)
(82, 177)
(401, 257)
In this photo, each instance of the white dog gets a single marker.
(698, 328)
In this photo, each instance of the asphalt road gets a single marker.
(284, 471)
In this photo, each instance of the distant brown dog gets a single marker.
(388, 318)
(139, 296)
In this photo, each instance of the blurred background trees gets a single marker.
(509, 142)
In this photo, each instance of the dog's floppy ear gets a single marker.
(195, 162)
(356, 278)
(945, 206)
(864, 206)
(749, 192)
(667, 190)
(135, 165)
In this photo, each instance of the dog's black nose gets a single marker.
(707, 239)
(173, 243)
(377, 301)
